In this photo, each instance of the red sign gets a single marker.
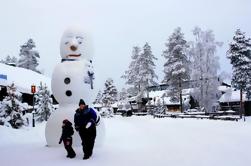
(33, 88)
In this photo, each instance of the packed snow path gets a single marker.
(139, 141)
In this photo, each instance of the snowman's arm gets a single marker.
(88, 79)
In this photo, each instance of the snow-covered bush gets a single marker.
(12, 109)
(106, 112)
(110, 94)
(43, 103)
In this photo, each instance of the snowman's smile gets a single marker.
(74, 55)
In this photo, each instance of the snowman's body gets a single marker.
(71, 81)
(68, 82)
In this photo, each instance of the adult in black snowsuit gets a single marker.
(66, 137)
(85, 123)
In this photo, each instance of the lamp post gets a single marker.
(180, 91)
(33, 91)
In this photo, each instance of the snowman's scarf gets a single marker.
(64, 59)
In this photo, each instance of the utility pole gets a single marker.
(181, 108)
(242, 110)
(201, 89)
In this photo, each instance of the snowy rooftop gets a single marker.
(224, 88)
(22, 78)
(97, 105)
(232, 96)
(159, 96)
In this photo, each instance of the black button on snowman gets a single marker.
(67, 81)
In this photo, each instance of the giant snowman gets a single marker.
(72, 80)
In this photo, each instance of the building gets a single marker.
(23, 80)
(231, 101)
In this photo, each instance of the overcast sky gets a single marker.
(116, 27)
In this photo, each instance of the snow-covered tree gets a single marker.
(98, 99)
(239, 54)
(146, 73)
(9, 60)
(132, 91)
(131, 75)
(141, 72)
(123, 94)
(28, 56)
(204, 68)
(44, 103)
(12, 108)
(176, 68)
(110, 94)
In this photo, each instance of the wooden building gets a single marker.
(231, 101)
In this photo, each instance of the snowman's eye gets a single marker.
(66, 43)
(79, 42)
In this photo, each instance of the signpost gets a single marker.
(33, 91)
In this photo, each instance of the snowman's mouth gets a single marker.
(74, 55)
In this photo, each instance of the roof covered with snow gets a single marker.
(22, 78)
(232, 96)
(223, 88)
(160, 96)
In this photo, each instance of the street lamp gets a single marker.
(33, 91)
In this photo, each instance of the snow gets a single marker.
(224, 88)
(97, 105)
(22, 78)
(233, 96)
(139, 141)
(161, 95)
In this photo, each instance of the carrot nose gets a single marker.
(73, 48)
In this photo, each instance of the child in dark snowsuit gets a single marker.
(67, 132)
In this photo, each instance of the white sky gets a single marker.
(116, 27)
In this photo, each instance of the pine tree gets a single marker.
(132, 91)
(239, 54)
(44, 103)
(98, 99)
(28, 56)
(141, 72)
(131, 75)
(110, 94)
(14, 60)
(123, 94)
(146, 63)
(204, 68)
(176, 68)
(9, 60)
(12, 108)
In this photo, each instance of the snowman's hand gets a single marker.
(90, 73)
(87, 80)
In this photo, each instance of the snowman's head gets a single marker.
(75, 44)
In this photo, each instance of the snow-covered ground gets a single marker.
(139, 141)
